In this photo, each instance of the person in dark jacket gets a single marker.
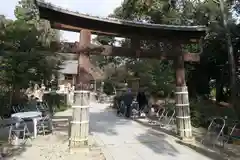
(128, 98)
(142, 100)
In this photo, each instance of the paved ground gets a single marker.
(118, 138)
(122, 139)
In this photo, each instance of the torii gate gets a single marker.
(172, 39)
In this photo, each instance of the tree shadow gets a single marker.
(156, 127)
(157, 143)
(219, 154)
(60, 123)
(8, 150)
(233, 151)
(205, 151)
(106, 122)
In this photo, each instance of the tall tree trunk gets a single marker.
(231, 61)
(219, 87)
(238, 74)
(11, 95)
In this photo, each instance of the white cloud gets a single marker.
(101, 8)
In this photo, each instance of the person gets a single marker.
(36, 91)
(30, 91)
(142, 101)
(128, 98)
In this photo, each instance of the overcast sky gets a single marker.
(100, 8)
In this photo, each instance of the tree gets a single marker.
(26, 49)
(214, 58)
(28, 12)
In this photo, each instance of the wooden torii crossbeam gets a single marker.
(107, 50)
(176, 36)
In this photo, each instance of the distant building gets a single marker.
(68, 73)
(69, 70)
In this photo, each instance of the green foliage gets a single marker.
(58, 102)
(25, 48)
(213, 93)
(27, 11)
(202, 110)
(154, 74)
(159, 76)
(105, 40)
(108, 88)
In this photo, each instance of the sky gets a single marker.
(101, 8)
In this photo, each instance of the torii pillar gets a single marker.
(79, 122)
(183, 118)
(84, 77)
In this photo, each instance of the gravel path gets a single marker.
(53, 146)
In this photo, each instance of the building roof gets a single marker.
(117, 27)
(69, 67)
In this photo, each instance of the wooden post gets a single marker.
(183, 120)
(80, 120)
(83, 81)
(80, 117)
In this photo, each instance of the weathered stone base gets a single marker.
(190, 140)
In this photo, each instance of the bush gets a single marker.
(4, 102)
(213, 93)
(202, 110)
(108, 88)
(197, 117)
(56, 102)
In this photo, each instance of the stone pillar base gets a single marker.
(190, 140)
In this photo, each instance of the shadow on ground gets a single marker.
(156, 128)
(105, 121)
(213, 154)
(157, 143)
(8, 150)
(108, 123)
(60, 124)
